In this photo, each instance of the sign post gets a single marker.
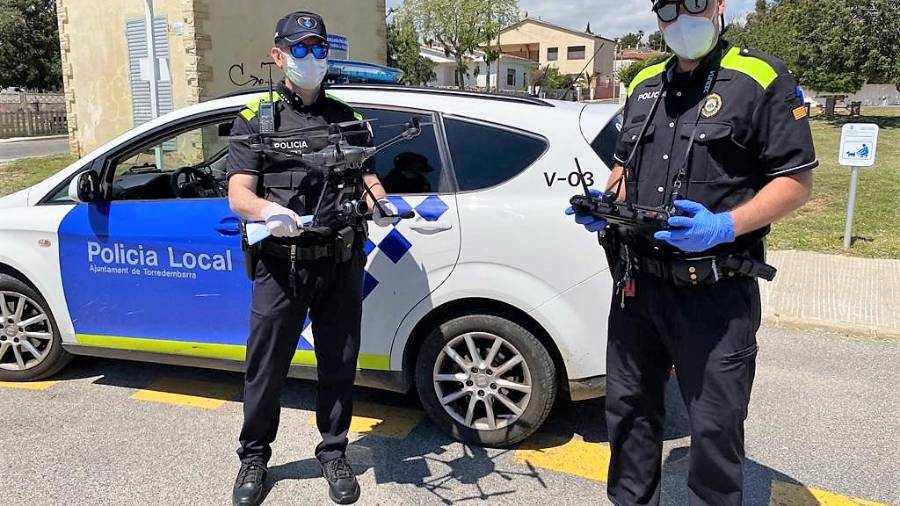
(858, 144)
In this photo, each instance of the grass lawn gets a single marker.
(23, 173)
(819, 226)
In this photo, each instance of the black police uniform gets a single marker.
(748, 125)
(319, 274)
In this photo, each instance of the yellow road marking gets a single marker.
(382, 421)
(197, 394)
(575, 457)
(788, 494)
(28, 385)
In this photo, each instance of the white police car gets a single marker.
(490, 301)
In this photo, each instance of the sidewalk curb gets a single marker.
(25, 139)
(865, 331)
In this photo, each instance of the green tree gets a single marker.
(550, 78)
(830, 45)
(404, 54)
(631, 40)
(29, 45)
(656, 41)
(460, 27)
(628, 74)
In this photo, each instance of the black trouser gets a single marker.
(332, 293)
(709, 334)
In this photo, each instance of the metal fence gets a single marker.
(31, 123)
(13, 101)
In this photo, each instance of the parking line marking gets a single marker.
(196, 394)
(28, 385)
(789, 494)
(382, 421)
(575, 457)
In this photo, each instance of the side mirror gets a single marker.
(85, 188)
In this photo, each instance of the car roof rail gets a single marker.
(411, 89)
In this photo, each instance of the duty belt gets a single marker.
(702, 270)
(298, 252)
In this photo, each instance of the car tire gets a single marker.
(54, 357)
(440, 375)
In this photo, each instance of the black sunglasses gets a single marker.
(668, 11)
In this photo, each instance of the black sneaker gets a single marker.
(342, 485)
(248, 487)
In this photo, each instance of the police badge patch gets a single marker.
(712, 106)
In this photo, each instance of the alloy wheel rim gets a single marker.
(482, 381)
(26, 336)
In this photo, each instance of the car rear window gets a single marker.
(485, 156)
(605, 142)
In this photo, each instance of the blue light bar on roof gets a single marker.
(349, 71)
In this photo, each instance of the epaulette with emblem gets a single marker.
(759, 66)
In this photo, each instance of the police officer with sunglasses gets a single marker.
(300, 271)
(719, 135)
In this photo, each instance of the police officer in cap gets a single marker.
(298, 271)
(720, 133)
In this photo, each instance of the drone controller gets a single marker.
(339, 161)
(631, 216)
(643, 219)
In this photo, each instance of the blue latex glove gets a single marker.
(700, 230)
(591, 223)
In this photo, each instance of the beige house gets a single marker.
(571, 51)
(205, 48)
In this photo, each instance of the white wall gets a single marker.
(870, 95)
(445, 75)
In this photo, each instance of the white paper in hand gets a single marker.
(257, 230)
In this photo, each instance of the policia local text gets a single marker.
(119, 254)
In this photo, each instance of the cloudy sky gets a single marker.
(610, 18)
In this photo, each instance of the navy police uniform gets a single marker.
(319, 274)
(716, 136)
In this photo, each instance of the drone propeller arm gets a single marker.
(408, 134)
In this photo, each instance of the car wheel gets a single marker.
(30, 346)
(486, 380)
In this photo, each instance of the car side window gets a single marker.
(485, 156)
(187, 165)
(605, 142)
(408, 167)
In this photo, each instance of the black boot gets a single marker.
(342, 485)
(248, 487)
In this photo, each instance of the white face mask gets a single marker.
(306, 73)
(692, 37)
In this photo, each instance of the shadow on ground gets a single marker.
(428, 459)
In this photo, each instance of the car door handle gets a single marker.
(229, 226)
(430, 226)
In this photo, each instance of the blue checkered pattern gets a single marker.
(394, 245)
(306, 340)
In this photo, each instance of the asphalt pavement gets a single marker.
(823, 429)
(12, 149)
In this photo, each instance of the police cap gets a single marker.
(299, 26)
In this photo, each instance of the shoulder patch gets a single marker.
(647, 73)
(752, 64)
